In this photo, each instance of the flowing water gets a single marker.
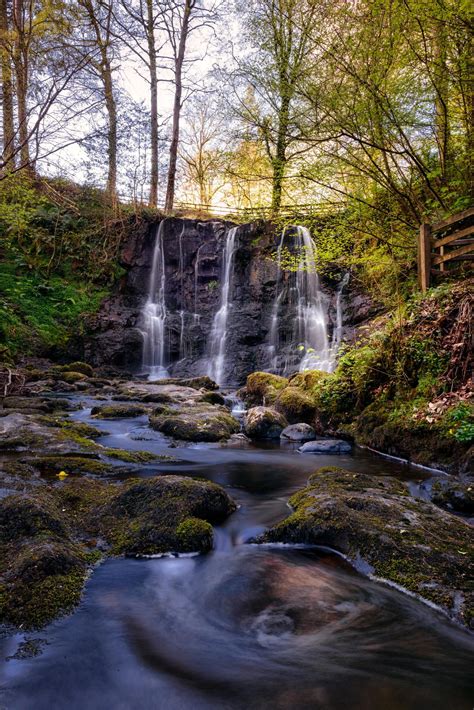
(301, 295)
(217, 351)
(246, 626)
(154, 314)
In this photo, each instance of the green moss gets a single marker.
(75, 465)
(82, 367)
(194, 535)
(263, 387)
(131, 456)
(115, 411)
(297, 406)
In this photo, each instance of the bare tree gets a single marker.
(182, 18)
(99, 17)
(7, 85)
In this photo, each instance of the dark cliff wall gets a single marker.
(193, 252)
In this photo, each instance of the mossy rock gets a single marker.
(118, 411)
(264, 423)
(452, 495)
(212, 398)
(28, 515)
(72, 465)
(195, 535)
(196, 383)
(72, 377)
(42, 582)
(405, 540)
(147, 517)
(78, 366)
(295, 405)
(262, 388)
(207, 423)
(130, 456)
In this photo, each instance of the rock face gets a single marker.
(193, 256)
(372, 518)
(264, 423)
(326, 446)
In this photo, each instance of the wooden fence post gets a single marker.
(424, 256)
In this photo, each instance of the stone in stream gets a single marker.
(373, 519)
(51, 535)
(264, 423)
(195, 421)
(298, 432)
(326, 446)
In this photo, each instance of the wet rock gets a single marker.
(26, 516)
(326, 446)
(118, 411)
(458, 496)
(195, 422)
(196, 383)
(165, 514)
(264, 423)
(298, 432)
(295, 405)
(262, 388)
(77, 366)
(405, 540)
(212, 398)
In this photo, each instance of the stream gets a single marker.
(246, 626)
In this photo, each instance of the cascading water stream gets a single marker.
(274, 338)
(219, 325)
(338, 329)
(311, 318)
(154, 314)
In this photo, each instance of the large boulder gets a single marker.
(264, 423)
(373, 519)
(298, 432)
(326, 446)
(164, 514)
(197, 421)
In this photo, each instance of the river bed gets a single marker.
(245, 626)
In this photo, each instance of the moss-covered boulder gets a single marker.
(262, 388)
(264, 423)
(407, 541)
(295, 405)
(72, 465)
(196, 422)
(73, 377)
(196, 383)
(165, 514)
(28, 515)
(79, 366)
(452, 495)
(118, 411)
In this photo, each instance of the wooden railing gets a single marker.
(448, 240)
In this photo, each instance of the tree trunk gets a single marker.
(112, 132)
(441, 101)
(170, 188)
(20, 61)
(153, 201)
(7, 90)
(279, 161)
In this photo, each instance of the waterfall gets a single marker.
(274, 336)
(154, 314)
(302, 295)
(311, 317)
(338, 330)
(219, 325)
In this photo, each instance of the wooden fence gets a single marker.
(451, 239)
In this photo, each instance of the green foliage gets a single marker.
(459, 422)
(38, 314)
